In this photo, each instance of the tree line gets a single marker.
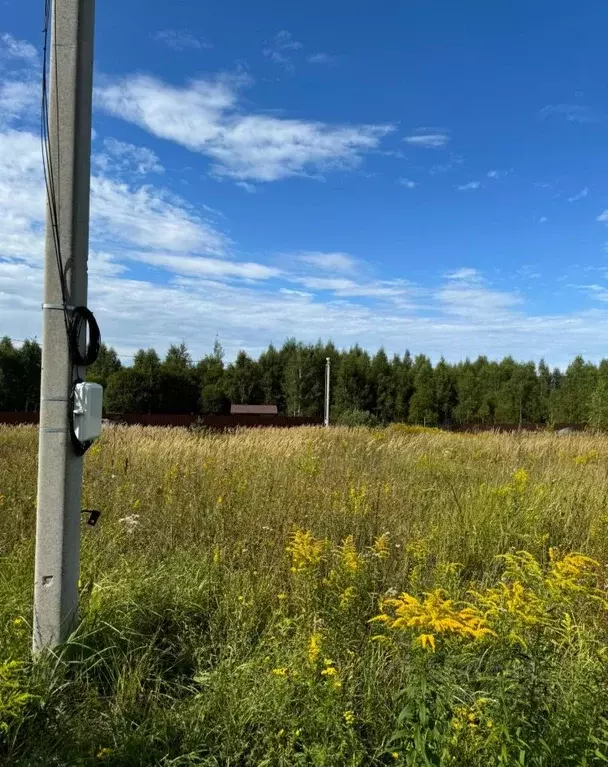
(364, 388)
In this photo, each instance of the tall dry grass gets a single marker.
(227, 594)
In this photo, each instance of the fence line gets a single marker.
(216, 422)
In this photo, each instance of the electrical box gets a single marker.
(88, 401)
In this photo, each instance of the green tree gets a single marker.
(211, 377)
(147, 365)
(423, 408)
(270, 364)
(445, 391)
(466, 393)
(10, 376)
(384, 387)
(354, 389)
(598, 405)
(574, 398)
(30, 359)
(404, 385)
(243, 381)
(106, 364)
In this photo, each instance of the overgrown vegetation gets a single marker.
(319, 597)
(366, 390)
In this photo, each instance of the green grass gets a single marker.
(228, 592)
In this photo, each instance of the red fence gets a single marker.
(217, 422)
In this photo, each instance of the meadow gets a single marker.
(334, 598)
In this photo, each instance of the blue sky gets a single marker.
(432, 176)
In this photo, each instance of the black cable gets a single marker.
(81, 315)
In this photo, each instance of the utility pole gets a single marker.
(59, 468)
(327, 379)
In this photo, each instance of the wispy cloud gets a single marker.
(543, 220)
(281, 50)
(17, 49)
(181, 40)
(603, 216)
(406, 182)
(454, 161)
(321, 58)
(469, 186)
(574, 113)
(428, 138)
(498, 174)
(580, 195)
(122, 157)
(207, 116)
(328, 262)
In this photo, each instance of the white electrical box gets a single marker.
(88, 401)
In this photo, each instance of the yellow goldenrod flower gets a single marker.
(381, 547)
(306, 551)
(434, 615)
(329, 671)
(349, 556)
(426, 640)
(349, 717)
(282, 672)
(314, 647)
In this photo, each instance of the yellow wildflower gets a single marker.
(349, 717)
(348, 555)
(329, 671)
(103, 752)
(281, 597)
(282, 672)
(314, 647)
(380, 547)
(520, 479)
(434, 615)
(426, 640)
(347, 597)
(395, 755)
(306, 551)
(18, 622)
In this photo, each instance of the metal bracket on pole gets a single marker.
(59, 307)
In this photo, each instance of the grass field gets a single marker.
(317, 597)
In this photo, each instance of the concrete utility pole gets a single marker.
(59, 468)
(327, 379)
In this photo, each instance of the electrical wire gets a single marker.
(75, 318)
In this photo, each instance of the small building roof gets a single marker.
(253, 410)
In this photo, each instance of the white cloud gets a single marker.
(576, 113)
(465, 294)
(428, 138)
(406, 182)
(120, 156)
(181, 40)
(328, 262)
(580, 195)
(150, 217)
(321, 58)
(18, 99)
(603, 216)
(469, 186)
(543, 220)
(280, 51)
(206, 117)
(17, 49)
(498, 174)
(204, 267)
(343, 287)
